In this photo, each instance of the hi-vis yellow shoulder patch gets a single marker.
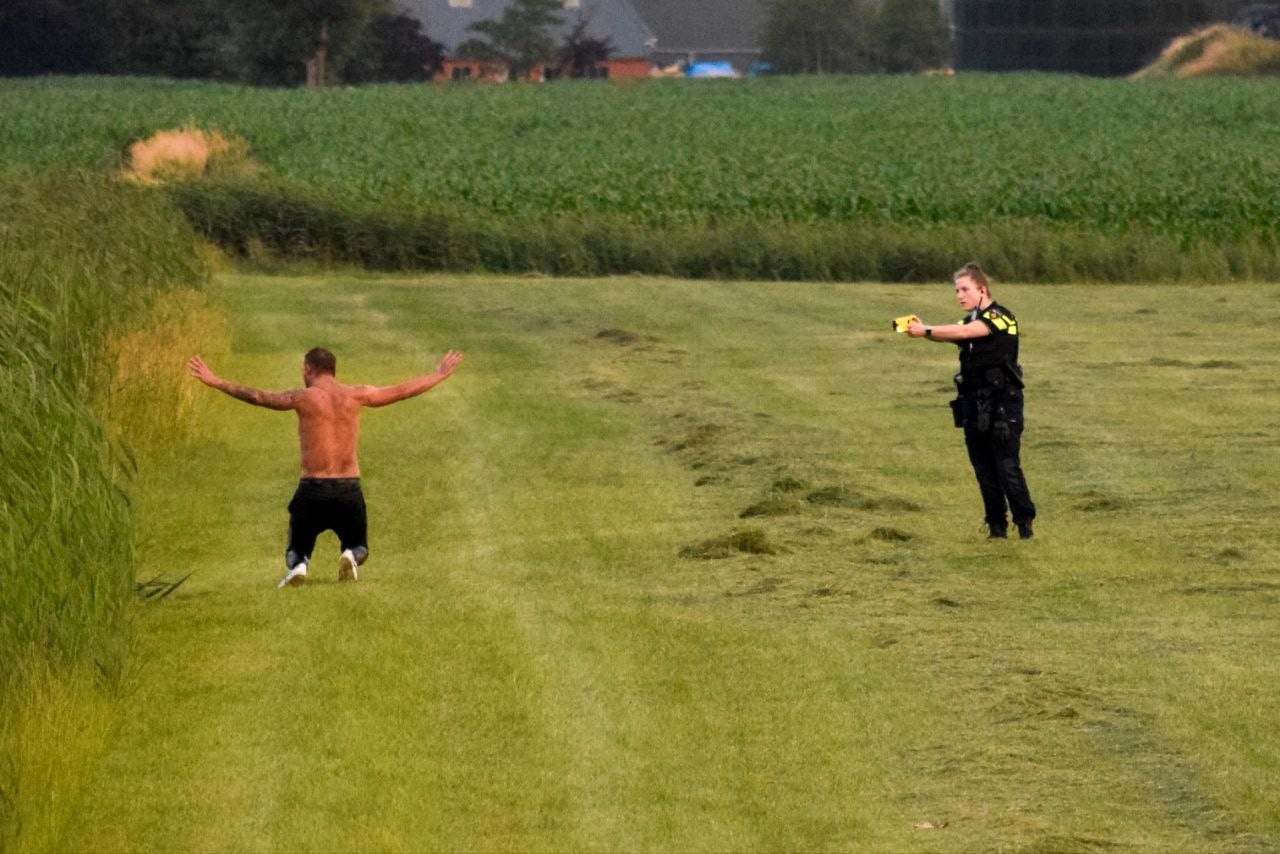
(1000, 322)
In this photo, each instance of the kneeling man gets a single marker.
(329, 495)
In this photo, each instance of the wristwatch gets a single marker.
(928, 332)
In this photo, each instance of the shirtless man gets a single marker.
(328, 496)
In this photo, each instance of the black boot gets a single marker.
(1024, 530)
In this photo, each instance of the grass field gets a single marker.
(918, 150)
(1054, 177)
(543, 654)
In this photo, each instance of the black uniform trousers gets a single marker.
(995, 453)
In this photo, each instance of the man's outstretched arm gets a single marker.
(381, 396)
(270, 399)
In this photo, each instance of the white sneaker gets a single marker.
(348, 569)
(296, 576)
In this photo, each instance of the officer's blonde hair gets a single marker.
(974, 272)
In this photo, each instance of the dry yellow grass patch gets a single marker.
(53, 726)
(1216, 51)
(146, 398)
(182, 154)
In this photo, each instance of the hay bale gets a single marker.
(1216, 51)
(178, 155)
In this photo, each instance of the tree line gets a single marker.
(263, 43)
(246, 41)
(275, 44)
(855, 36)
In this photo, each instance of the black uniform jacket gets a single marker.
(991, 359)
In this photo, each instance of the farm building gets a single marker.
(704, 31)
(644, 34)
(1094, 37)
(449, 21)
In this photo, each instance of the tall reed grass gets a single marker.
(51, 726)
(80, 256)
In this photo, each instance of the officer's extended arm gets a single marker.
(949, 331)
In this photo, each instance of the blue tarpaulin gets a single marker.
(712, 69)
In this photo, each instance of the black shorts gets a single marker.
(326, 504)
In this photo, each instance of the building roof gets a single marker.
(615, 20)
(703, 26)
(634, 27)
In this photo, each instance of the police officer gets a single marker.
(989, 404)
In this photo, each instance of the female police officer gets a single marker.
(989, 405)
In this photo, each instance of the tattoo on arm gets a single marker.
(257, 397)
(242, 392)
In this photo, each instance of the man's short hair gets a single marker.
(321, 361)
(973, 271)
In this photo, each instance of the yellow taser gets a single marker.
(900, 324)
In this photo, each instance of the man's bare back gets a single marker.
(328, 411)
(329, 429)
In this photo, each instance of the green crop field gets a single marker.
(1192, 158)
(560, 644)
(1124, 173)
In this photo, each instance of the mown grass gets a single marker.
(528, 662)
(1061, 179)
(82, 261)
